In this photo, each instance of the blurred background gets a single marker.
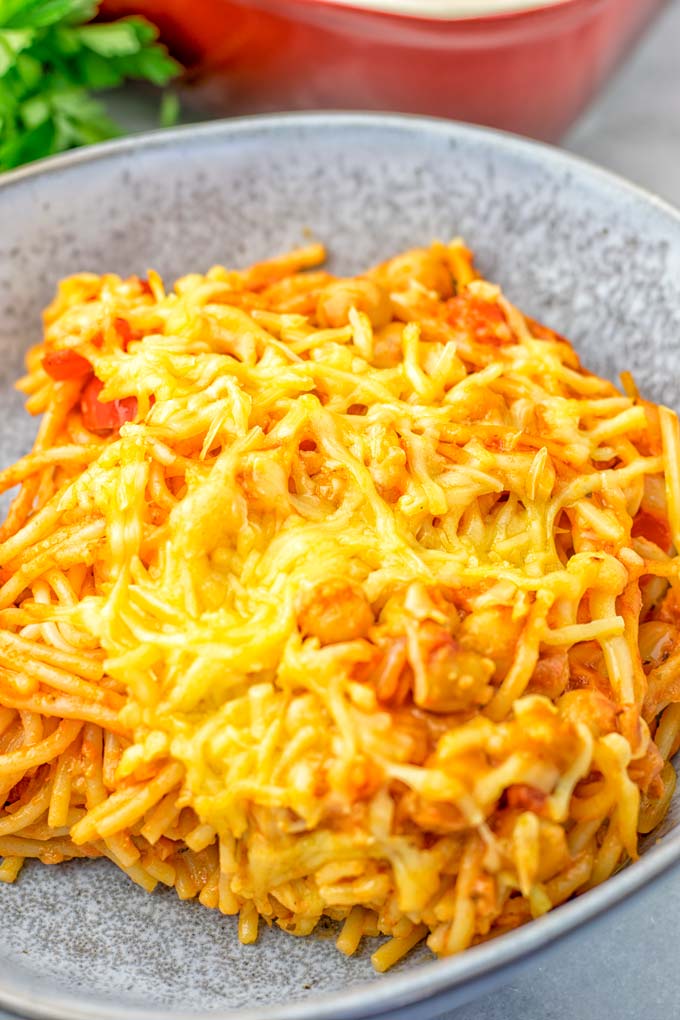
(597, 76)
(600, 77)
(530, 67)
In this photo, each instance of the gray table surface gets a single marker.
(624, 967)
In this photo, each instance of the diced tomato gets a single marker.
(124, 331)
(66, 364)
(145, 287)
(654, 529)
(99, 415)
(544, 332)
(483, 320)
(525, 798)
(18, 790)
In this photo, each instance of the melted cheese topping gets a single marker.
(362, 565)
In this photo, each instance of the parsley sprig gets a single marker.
(51, 60)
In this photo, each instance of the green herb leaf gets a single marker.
(35, 111)
(41, 13)
(146, 32)
(63, 41)
(11, 44)
(50, 62)
(29, 71)
(29, 145)
(98, 72)
(118, 39)
(169, 109)
(153, 64)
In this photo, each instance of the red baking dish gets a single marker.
(531, 69)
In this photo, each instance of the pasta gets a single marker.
(336, 598)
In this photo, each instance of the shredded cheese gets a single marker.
(358, 564)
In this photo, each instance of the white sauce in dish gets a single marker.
(448, 8)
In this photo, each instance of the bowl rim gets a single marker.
(432, 980)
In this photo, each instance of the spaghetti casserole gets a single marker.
(344, 598)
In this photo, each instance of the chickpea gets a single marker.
(446, 676)
(420, 265)
(656, 640)
(335, 301)
(493, 632)
(336, 610)
(551, 675)
(593, 708)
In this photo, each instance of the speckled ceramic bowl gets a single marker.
(595, 258)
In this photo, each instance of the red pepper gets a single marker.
(525, 798)
(482, 320)
(66, 364)
(653, 528)
(99, 415)
(124, 331)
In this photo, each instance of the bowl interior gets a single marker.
(592, 257)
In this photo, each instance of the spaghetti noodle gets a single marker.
(347, 598)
